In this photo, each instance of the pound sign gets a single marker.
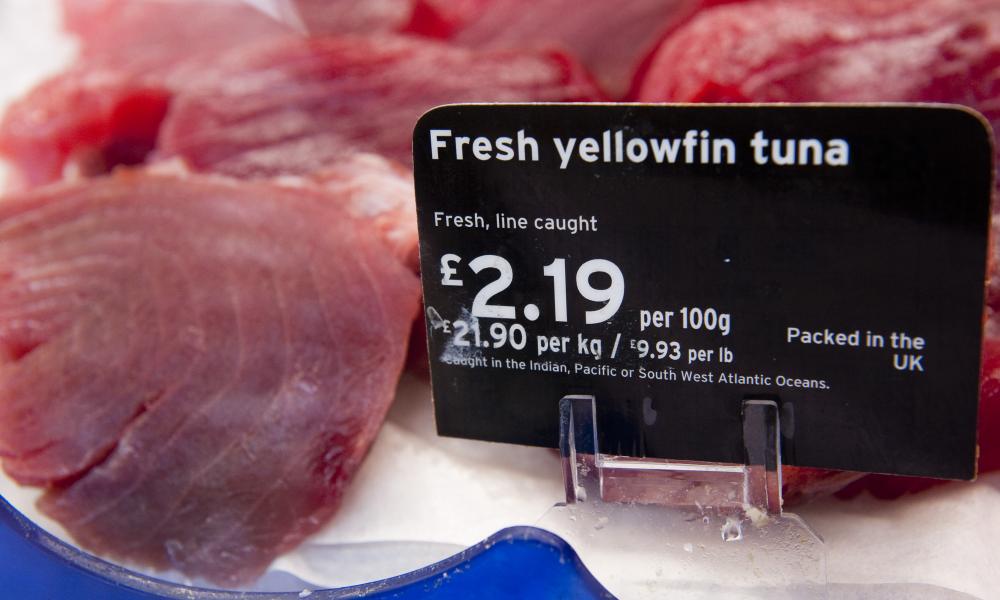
(447, 270)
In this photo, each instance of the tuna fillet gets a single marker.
(292, 107)
(834, 51)
(377, 192)
(280, 106)
(152, 32)
(844, 51)
(610, 40)
(194, 367)
(161, 29)
(107, 108)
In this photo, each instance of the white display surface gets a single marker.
(417, 487)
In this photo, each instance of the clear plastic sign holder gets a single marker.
(685, 529)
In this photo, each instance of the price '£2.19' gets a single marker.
(611, 296)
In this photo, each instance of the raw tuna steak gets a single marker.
(101, 113)
(376, 191)
(170, 28)
(610, 40)
(842, 51)
(292, 107)
(322, 17)
(106, 110)
(193, 367)
(834, 51)
(81, 123)
(285, 106)
(152, 32)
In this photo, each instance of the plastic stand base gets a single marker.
(651, 527)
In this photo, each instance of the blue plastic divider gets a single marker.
(518, 562)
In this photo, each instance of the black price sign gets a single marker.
(675, 260)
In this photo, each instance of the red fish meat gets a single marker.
(834, 51)
(161, 29)
(610, 40)
(193, 367)
(377, 192)
(151, 32)
(845, 51)
(107, 108)
(283, 106)
(292, 106)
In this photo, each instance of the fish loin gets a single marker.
(158, 30)
(106, 109)
(80, 124)
(282, 106)
(100, 113)
(194, 367)
(134, 56)
(835, 51)
(379, 192)
(610, 40)
(372, 188)
(291, 107)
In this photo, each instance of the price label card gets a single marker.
(675, 260)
